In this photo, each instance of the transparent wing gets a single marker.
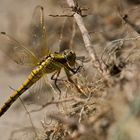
(16, 50)
(38, 33)
(67, 35)
(41, 92)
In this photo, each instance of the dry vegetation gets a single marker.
(103, 103)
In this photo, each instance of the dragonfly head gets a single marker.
(70, 57)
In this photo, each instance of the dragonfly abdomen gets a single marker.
(34, 76)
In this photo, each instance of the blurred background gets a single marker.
(104, 21)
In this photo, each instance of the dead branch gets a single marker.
(86, 37)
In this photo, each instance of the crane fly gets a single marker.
(52, 62)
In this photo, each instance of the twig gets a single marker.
(86, 37)
(61, 15)
(133, 25)
(123, 40)
(58, 102)
(71, 123)
(73, 33)
(83, 108)
(53, 102)
(30, 119)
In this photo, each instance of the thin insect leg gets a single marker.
(56, 79)
(78, 68)
(71, 81)
(53, 76)
(75, 70)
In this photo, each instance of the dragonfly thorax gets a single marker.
(56, 61)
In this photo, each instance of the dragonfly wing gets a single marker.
(16, 50)
(41, 92)
(66, 36)
(38, 33)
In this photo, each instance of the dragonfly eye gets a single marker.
(70, 57)
(66, 53)
(71, 52)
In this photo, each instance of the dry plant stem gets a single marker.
(83, 108)
(86, 37)
(73, 34)
(133, 25)
(53, 102)
(61, 32)
(58, 102)
(30, 118)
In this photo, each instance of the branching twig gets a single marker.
(52, 102)
(133, 25)
(82, 110)
(76, 128)
(86, 37)
(124, 39)
(58, 102)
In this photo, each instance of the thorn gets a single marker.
(42, 8)
(4, 33)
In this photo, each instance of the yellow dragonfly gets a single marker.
(52, 62)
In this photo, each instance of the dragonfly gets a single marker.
(52, 62)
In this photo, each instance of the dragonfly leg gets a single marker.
(78, 69)
(71, 81)
(55, 78)
(74, 70)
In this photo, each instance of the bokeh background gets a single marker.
(105, 24)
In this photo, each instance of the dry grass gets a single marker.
(104, 101)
